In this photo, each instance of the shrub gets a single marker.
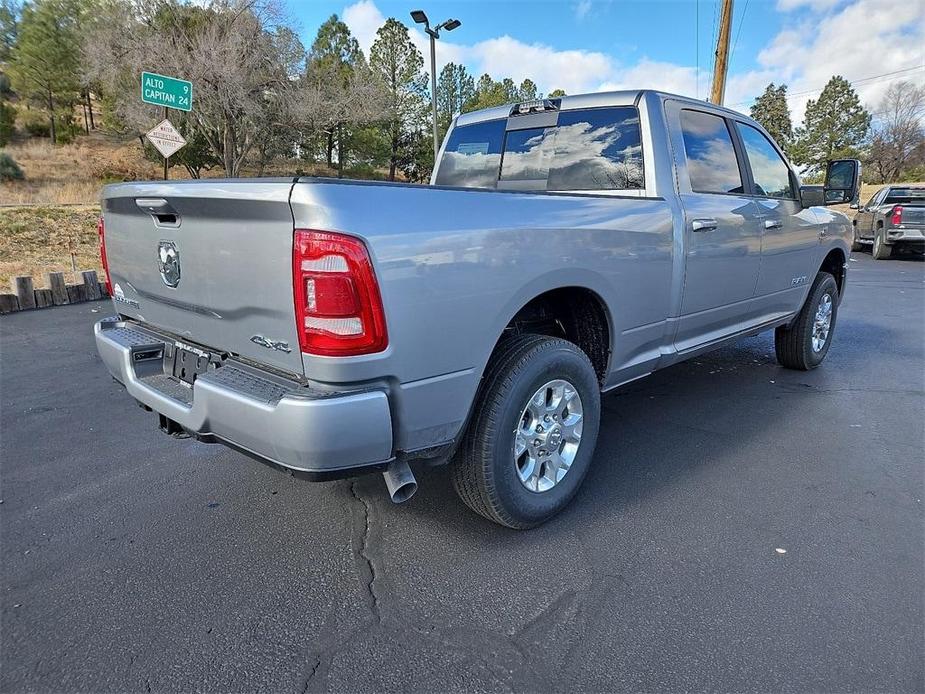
(9, 169)
(7, 119)
(35, 123)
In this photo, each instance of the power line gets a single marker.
(713, 37)
(895, 74)
(738, 31)
(697, 47)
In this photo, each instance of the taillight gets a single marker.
(897, 217)
(101, 230)
(338, 309)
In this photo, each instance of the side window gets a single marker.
(770, 172)
(711, 158)
(597, 149)
(872, 202)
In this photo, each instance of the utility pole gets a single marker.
(721, 64)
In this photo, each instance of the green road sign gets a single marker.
(161, 90)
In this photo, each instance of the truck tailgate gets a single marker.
(913, 214)
(231, 243)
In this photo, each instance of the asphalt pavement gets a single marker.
(743, 528)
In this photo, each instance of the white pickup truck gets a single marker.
(565, 247)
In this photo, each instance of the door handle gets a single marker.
(161, 211)
(772, 224)
(703, 224)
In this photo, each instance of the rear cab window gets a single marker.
(597, 149)
(472, 155)
(905, 196)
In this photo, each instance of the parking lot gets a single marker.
(743, 528)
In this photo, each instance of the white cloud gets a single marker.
(582, 8)
(654, 74)
(573, 70)
(364, 20)
(862, 39)
(866, 39)
(790, 5)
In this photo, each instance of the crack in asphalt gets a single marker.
(361, 542)
(311, 675)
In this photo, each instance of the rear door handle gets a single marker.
(703, 224)
(772, 224)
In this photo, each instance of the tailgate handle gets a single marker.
(160, 210)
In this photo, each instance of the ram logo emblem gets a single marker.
(168, 263)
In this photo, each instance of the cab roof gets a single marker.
(626, 97)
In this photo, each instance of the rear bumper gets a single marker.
(274, 419)
(910, 235)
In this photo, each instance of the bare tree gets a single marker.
(898, 142)
(243, 63)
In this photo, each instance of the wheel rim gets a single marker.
(822, 322)
(877, 244)
(548, 435)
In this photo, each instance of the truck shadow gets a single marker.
(710, 410)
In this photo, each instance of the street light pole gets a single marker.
(421, 18)
(433, 89)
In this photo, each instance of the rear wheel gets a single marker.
(804, 344)
(881, 250)
(532, 434)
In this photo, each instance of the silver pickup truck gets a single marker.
(564, 248)
(893, 217)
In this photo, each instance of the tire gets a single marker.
(855, 244)
(485, 472)
(795, 345)
(881, 250)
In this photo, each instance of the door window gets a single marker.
(871, 203)
(770, 173)
(711, 158)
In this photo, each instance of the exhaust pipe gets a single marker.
(400, 481)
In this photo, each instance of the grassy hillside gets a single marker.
(37, 240)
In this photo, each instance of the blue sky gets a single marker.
(594, 45)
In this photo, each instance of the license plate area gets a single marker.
(188, 363)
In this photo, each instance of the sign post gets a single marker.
(169, 92)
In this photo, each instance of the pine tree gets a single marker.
(397, 63)
(8, 27)
(454, 89)
(45, 61)
(333, 61)
(527, 90)
(489, 93)
(834, 127)
(771, 111)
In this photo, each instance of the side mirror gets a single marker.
(842, 182)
